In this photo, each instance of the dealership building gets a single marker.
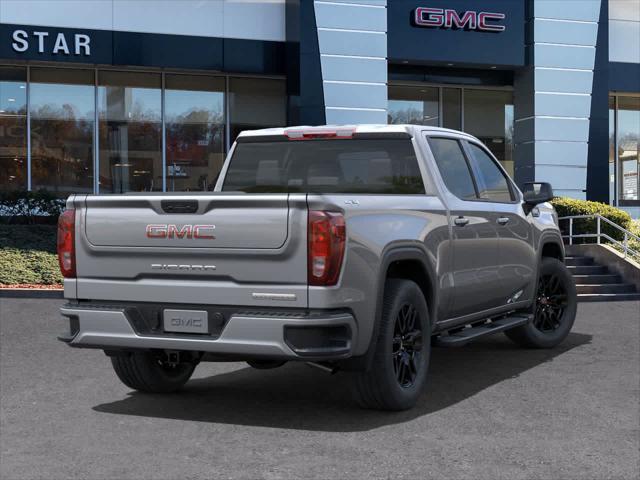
(148, 95)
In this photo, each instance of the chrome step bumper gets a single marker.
(250, 335)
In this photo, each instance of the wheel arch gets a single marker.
(410, 262)
(551, 246)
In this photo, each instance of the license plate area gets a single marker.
(186, 321)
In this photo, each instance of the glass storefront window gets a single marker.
(628, 142)
(13, 128)
(104, 130)
(488, 115)
(414, 105)
(195, 131)
(130, 132)
(256, 103)
(62, 124)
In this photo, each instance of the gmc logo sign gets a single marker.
(448, 18)
(186, 231)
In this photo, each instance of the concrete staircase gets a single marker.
(595, 283)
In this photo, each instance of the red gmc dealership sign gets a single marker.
(448, 18)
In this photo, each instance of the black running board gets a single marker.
(468, 334)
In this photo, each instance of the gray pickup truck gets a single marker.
(350, 248)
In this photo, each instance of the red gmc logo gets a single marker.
(448, 18)
(186, 231)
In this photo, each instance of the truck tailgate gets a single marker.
(217, 248)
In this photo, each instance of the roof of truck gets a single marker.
(368, 128)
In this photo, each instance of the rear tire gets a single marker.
(401, 357)
(146, 372)
(554, 308)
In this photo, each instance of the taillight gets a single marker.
(326, 237)
(67, 243)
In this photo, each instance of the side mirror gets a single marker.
(537, 192)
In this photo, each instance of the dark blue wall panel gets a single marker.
(152, 50)
(598, 157)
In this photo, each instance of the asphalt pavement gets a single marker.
(491, 410)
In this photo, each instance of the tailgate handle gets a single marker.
(179, 206)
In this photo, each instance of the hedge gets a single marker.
(567, 207)
(28, 255)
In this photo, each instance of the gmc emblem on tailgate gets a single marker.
(186, 322)
(186, 231)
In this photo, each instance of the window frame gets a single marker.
(617, 199)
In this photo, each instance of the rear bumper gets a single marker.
(282, 335)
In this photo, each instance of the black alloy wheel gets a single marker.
(554, 308)
(397, 373)
(407, 346)
(551, 303)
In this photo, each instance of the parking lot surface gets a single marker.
(492, 410)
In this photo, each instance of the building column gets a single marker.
(553, 95)
(341, 73)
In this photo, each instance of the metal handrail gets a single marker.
(599, 235)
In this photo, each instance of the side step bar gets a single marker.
(467, 334)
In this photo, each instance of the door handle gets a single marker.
(503, 220)
(461, 221)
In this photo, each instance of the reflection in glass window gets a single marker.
(452, 108)
(13, 128)
(256, 103)
(413, 105)
(62, 121)
(325, 166)
(628, 146)
(488, 115)
(195, 134)
(492, 184)
(130, 131)
(453, 167)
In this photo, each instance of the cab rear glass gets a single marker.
(382, 166)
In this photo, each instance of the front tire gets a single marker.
(147, 372)
(401, 358)
(554, 309)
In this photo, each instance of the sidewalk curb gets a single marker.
(30, 293)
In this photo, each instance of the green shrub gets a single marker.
(28, 255)
(21, 206)
(569, 207)
(28, 266)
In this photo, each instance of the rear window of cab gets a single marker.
(382, 166)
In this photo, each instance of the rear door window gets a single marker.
(382, 166)
(453, 167)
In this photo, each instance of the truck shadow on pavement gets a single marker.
(299, 397)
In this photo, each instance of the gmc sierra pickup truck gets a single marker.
(350, 248)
